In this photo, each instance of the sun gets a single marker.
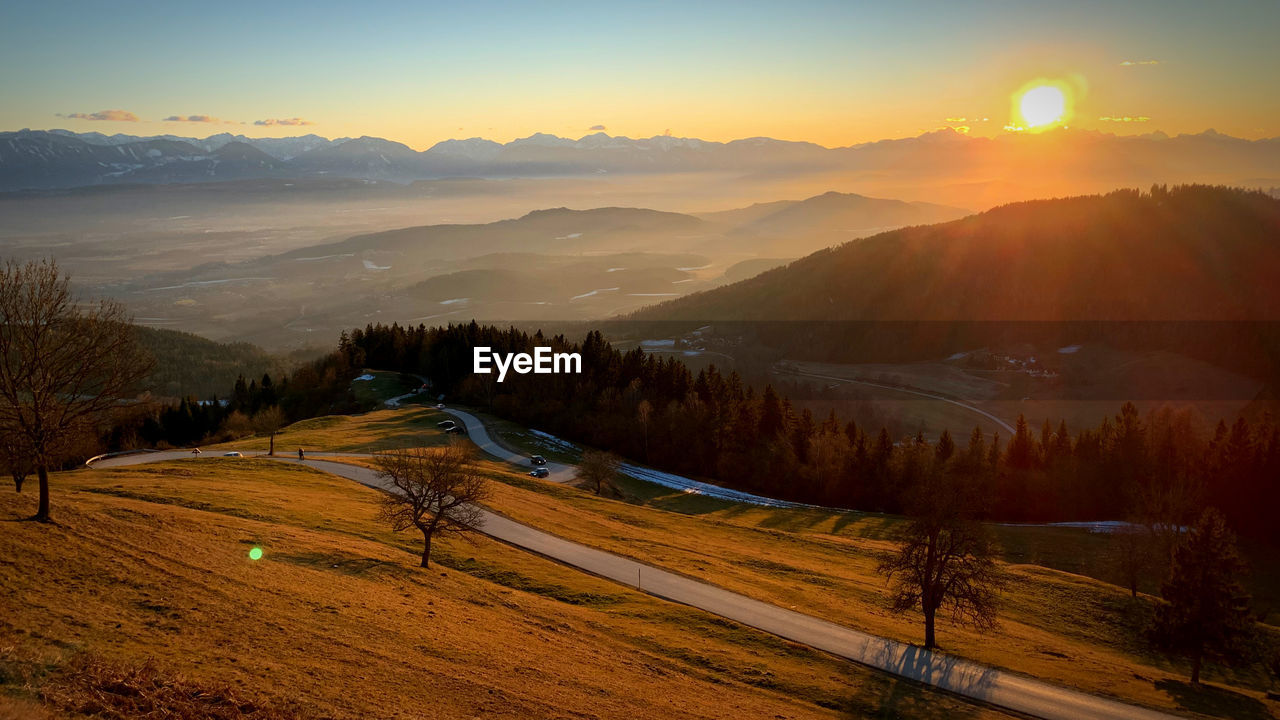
(1042, 105)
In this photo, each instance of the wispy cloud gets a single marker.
(1130, 63)
(598, 128)
(1125, 119)
(111, 115)
(965, 120)
(283, 121)
(194, 119)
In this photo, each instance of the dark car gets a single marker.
(538, 460)
(539, 472)
(445, 424)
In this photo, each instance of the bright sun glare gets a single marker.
(1042, 105)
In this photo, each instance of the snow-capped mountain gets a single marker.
(59, 158)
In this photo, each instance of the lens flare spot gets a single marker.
(255, 554)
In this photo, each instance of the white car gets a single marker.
(233, 453)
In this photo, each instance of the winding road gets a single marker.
(968, 679)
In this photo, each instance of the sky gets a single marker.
(834, 73)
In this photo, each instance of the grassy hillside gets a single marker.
(150, 565)
(1059, 622)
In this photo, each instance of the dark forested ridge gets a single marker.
(1190, 253)
(1154, 468)
(189, 365)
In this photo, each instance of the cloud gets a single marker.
(112, 115)
(192, 118)
(599, 128)
(1125, 119)
(283, 121)
(965, 120)
(1130, 63)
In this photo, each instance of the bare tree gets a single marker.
(947, 557)
(1132, 554)
(597, 469)
(268, 422)
(14, 458)
(435, 490)
(64, 365)
(645, 412)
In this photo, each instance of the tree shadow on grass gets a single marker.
(1215, 701)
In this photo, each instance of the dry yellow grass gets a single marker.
(1059, 626)
(151, 562)
(1064, 628)
(413, 426)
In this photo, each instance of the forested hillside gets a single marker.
(1155, 468)
(1186, 253)
(189, 365)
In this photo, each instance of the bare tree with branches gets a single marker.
(14, 458)
(268, 422)
(947, 558)
(597, 469)
(435, 490)
(64, 365)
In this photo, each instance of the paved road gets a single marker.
(1002, 689)
(563, 473)
(476, 431)
(931, 396)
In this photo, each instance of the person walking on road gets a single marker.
(300, 455)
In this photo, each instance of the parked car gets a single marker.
(540, 472)
(445, 424)
(538, 460)
(233, 453)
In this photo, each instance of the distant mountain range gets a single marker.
(33, 159)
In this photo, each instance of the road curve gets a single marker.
(479, 434)
(968, 679)
(561, 472)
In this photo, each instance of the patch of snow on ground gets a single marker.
(202, 283)
(958, 356)
(370, 266)
(366, 376)
(678, 482)
(324, 257)
(549, 440)
(454, 301)
(700, 267)
(1093, 526)
(694, 487)
(652, 294)
(614, 269)
(593, 292)
(657, 343)
(570, 236)
(1068, 349)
